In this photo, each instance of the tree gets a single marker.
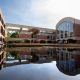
(14, 35)
(8, 34)
(34, 31)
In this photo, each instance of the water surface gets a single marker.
(41, 63)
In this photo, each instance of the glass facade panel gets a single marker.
(65, 26)
(64, 29)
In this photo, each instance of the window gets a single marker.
(48, 37)
(0, 17)
(2, 21)
(61, 35)
(65, 34)
(71, 34)
(65, 26)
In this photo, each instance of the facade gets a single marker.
(68, 30)
(68, 61)
(2, 38)
(2, 29)
(25, 35)
(43, 36)
(2, 57)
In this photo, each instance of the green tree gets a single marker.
(14, 35)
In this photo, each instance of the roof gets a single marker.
(70, 19)
(30, 27)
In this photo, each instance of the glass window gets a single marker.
(66, 26)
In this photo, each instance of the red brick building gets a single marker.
(44, 34)
(40, 37)
(24, 35)
(68, 30)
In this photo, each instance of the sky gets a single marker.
(39, 13)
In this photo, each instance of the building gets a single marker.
(68, 30)
(2, 29)
(2, 57)
(43, 36)
(68, 61)
(2, 38)
(31, 54)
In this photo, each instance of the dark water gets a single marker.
(41, 63)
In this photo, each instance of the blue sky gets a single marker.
(42, 13)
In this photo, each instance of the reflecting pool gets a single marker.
(40, 63)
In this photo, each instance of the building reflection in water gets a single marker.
(67, 60)
(38, 55)
(2, 56)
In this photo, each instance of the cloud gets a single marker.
(51, 11)
(44, 13)
(66, 7)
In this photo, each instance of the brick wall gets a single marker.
(77, 30)
(25, 35)
(41, 36)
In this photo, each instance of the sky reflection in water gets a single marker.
(59, 68)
